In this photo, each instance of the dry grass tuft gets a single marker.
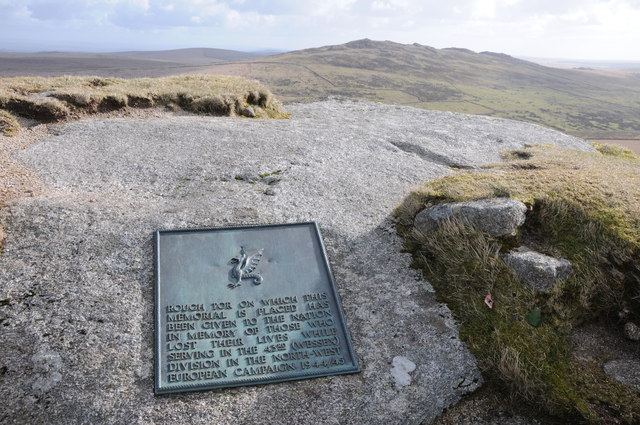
(53, 99)
(514, 373)
(9, 126)
(585, 207)
(214, 105)
(614, 151)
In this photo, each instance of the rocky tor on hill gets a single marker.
(76, 300)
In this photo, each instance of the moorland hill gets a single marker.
(582, 102)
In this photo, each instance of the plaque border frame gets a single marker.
(248, 381)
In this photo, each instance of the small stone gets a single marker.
(625, 371)
(496, 216)
(624, 314)
(537, 270)
(46, 366)
(270, 192)
(247, 177)
(270, 180)
(402, 366)
(632, 331)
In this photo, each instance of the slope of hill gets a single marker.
(194, 56)
(119, 64)
(454, 79)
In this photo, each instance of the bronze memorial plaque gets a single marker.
(246, 305)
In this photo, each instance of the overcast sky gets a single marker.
(578, 29)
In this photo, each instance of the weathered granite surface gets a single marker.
(496, 216)
(632, 331)
(537, 270)
(626, 371)
(76, 280)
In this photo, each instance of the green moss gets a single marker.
(272, 173)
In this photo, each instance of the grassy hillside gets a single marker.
(580, 102)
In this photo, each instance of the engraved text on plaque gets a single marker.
(244, 306)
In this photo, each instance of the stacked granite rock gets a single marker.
(500, 217)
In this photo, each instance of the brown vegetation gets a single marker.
(8, 124)
(54, 99)
(583, 206)
(632, 145)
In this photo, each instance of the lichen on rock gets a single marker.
(496, 216)
(537, 270)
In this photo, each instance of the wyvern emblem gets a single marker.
(243, 267)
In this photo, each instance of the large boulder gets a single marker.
(496, 216)
(76, 300)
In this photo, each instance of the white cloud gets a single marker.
(330, 8)
(484, 9)
(377, 22)
(144, 4)
(234, 20)
(381, 5)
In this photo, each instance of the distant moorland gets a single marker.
(120, 65)
(589, 103)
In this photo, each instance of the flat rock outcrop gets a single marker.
(76, 295)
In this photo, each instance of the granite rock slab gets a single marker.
(76, 274)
